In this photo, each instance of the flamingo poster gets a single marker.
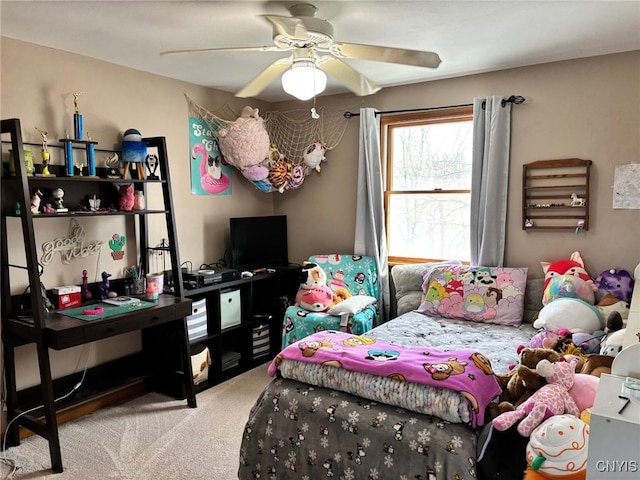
(209, 176)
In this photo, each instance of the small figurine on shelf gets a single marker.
(94, 204)
(126, 199)
(576, 201)
(134, 150)
(85, 294)
(58, 195)
(36, 195)
(104, 286)
(48, 209)
(113, 166)
(152, 166)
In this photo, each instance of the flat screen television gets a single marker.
(259, 242)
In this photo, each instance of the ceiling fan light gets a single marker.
(304, 81)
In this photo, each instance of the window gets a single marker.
(427, 160)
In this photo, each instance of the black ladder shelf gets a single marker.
(163, 326)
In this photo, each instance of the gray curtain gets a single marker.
(370, 237)
(490, 180)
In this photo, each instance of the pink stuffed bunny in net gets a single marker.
(552, 399)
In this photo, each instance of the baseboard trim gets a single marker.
(78, 410)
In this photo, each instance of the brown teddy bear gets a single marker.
(521, 382)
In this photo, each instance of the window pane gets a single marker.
(429, 157)
(429, 226)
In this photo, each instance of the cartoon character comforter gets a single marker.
(328, 420)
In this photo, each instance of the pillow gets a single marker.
(481, 294)
(407, 282)
(352, 305)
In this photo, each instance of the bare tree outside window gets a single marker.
(428, 184)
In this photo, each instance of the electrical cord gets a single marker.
(212, 266)
(11, 463)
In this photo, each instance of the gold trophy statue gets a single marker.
(44, 155)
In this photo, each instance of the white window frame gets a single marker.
(387, 123)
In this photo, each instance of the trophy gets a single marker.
(44, 155)
(152, 166)
(77, 117)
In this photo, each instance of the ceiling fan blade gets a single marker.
(349, 77)
(269, 48)
(357, 51)
(264, 78)
(289, 27)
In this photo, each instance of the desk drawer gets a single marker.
(118, 325)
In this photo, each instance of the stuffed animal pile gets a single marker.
(547, 397)
(581, 317)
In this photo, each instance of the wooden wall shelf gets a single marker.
(548, 187)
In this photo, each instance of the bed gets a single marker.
(316, 421)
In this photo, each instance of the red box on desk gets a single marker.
(67, 296)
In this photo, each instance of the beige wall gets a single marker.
(586, 108)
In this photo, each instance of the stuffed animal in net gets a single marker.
(552, 399)
(557, 449)
(314, 294)
(314, 155)
(245, 142)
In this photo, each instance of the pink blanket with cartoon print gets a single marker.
(464, 371)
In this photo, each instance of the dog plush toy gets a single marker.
(552, 399)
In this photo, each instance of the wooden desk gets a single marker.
(165, 346)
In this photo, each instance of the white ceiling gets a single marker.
(470, 36)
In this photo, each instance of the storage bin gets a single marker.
(197, 321)
(261, 340)
(230, 308)
(200, 361)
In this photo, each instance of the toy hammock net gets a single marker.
(298, 141)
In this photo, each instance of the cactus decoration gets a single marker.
(116, 244)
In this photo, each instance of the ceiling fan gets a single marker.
(307, 37)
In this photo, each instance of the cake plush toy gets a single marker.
(557, 449)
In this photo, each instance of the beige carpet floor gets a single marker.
(150, 437)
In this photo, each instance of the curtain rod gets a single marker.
(515, 99)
